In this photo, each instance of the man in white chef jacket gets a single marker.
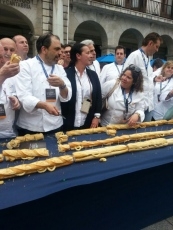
(41, 85)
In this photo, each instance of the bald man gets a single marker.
(7, 70)
(9, 48)
(22, 46)
(8, 101)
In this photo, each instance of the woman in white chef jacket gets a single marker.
(126, 104)
(163, 91)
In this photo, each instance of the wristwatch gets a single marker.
(63, 86)
(97, 116)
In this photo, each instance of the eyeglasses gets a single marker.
(67, 52)
(135, 68)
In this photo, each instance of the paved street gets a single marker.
(166, 224)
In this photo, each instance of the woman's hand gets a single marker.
(133, 119)
(159, 78)
(95, 122)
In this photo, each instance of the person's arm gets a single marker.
(58, 82)
(15, 104)
(169, 95)
(97, 114)
(138, 115)
(8, 70)
(51, 109)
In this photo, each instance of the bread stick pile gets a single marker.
(119, 149)
(139, 125)
(15, 143)
(38, 166)
(115, 140)
(25, 154)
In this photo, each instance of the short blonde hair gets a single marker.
(168, 63)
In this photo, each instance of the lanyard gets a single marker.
(145, 63)
(53, 67)
(165, 85)
(118, 68)
(126, 100)
(81, 85)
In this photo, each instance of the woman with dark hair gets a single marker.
(83, 110)
(126, 103)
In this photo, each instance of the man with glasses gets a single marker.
(62, 56)
(114, 70)
(95, 66)
(41, 85)
(67, 59)
(141, 58)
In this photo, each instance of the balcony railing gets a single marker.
(157, 8)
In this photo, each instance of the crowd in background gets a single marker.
(62, 87)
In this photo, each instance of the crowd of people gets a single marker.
(62, 87)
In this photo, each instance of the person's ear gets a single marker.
(78, 56)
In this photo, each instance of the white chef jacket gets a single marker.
(157, 72)
(115, 113)
(95, 67)
(83, 90)
(137, 59)
(160, 108)
(110, 72)
(6, 124)
(31, 84)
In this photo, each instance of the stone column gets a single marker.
(58, 19)
(108, 50)
(33, 40)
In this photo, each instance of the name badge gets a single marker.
(50, 95)
(86, 104)
(2, 111)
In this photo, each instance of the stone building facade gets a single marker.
(107, 22)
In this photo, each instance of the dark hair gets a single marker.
(45, 40)
(137, 77)
(62, 46)
(154, 37)
(67, 45)
(157, 63)
(120, 47)
(77, 48)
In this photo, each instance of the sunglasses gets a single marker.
(135, 68)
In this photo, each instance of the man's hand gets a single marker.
(51, 109)
(8, 70)
(14, 102)
(55, 81)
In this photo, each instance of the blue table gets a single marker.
(124, 192)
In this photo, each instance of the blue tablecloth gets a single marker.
(19, 190)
